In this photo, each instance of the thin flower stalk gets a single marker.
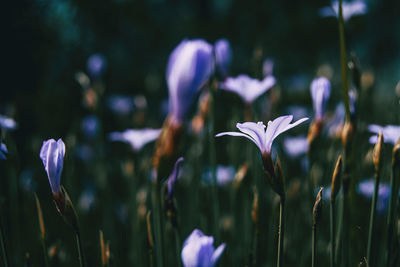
(3, 246)
(42, 231)
(316, 217)
(394, 192)
(150, 238)
(377, 158)
(336, 182)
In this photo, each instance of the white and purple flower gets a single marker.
(198, 250)
(190, 65)
(391, 133)
(248, 88)
(320, 91)
(52, 155)
(136, 138)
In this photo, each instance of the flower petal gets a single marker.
(256, 131)
(217, 254)
(239, 134)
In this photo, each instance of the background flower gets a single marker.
(136, 138)
(391, 133)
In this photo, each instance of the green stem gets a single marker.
(279, 262)
(394, 192)
(372, 218)
(313, 245)
(177, 247)
(332, 232)
(158, 224)
(343, 62)
(45, 255)
(80, 249)
(213, 163)
(3, 246)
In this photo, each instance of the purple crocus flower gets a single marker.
(320, 92)
(295, 146)
(223, 56)
(96, 65)
(189, 67)
(391, 133)
(7, 123)
(366, 189)
(198, 250)
(350, 9)
(136, 138)
(248, 88)
(261, 135)
(173, 178)
(52, 155)
(3, 151)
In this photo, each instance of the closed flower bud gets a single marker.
(336, 179)
(347, 133)
(190, 66)
(223, 56)
(52, 155)
(317, 208)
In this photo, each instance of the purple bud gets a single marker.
(52, 155)
(223, 56)
(189, 67)
(96, 65)
(173, 178)
(198, 250)
(320, 92)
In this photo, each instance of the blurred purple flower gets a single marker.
(264, 136)
(391, 133)
(190, 65)
(248, 88)
(96, 65)
(173, 178)
(224, 174)
(90, 126)
(198, 250)
(120, 104)
(350, 9)
(320, 92)
(136, 138)
(84, 152)
(366, 189)
(87, 199)
(295, 146)
(223, 56)
(268, 67)
(298, 112)
(3, 151)
(7, 123)
(52, 155)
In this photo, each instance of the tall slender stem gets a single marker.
(158, 224)
(343, 62)
(372, 218)
(332, 232)
(80, 249)
(314, 238)
(394, 192)
(44, 248)
(3, 246)
(213, 162)
(177, 247)
(281, 232)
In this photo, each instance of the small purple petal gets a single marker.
(173, 178)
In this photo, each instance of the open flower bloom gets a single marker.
(350, 9)
(189, 67)
(198, 250)
(223, 56)
(52, 155)
(173, 178)
(3, 151)
(248, 88)
(391, 133)
(261, 135)
(136, 138)
(320, 92)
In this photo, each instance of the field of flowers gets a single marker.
(201, 133)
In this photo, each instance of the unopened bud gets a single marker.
(254, 212)
(336, 177)
(317, 208)
(347, 133)
(378, 153)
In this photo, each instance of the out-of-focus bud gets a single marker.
(223, 56)
(336, 181)
(254, 212)
(378, 153)
(240, 175)
(320, 92)
(314, 130)
(347, 133)
(40, 218)
(317, 208)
